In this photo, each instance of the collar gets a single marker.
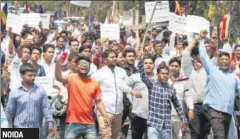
(180, 78)
(127, 68)
(225, 71)
(21, 87)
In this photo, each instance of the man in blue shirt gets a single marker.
(28, 103)
(222, 86)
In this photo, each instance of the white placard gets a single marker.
(45, 19)
(110, 31)
(15, 22)
(81, 3)
(161, 13)
(197, 23)
(31, 19)
(177, 24)
(127, 20)
(44, 82)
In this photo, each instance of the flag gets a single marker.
(211, 10)
(4, 13)
(90, 22)
(26, 7)
(55, 15)
(40, 9)
(177, 8)
(225, 26)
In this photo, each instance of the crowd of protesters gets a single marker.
(174, 86)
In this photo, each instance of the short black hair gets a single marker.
(224, 54)
(128, 50)
(26, 67)
(58, 37)
(46, 46)
(73, 40)
(81, 56)
(161, 66)
(24, 47)
(63, 32)
(175, 59)
(82, 48)
(195, 51)
(72, 55)
(25, 33)
(36, 48)
(106, 53)
(157, 42)
(148, 56)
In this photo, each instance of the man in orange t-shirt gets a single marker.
(82, 93)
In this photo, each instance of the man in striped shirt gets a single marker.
(28, 103)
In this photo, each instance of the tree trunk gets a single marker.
(194, 7)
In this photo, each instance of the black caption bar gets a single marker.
(19, 133)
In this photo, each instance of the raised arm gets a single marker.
(206, 62)
(58, 72)
(144, 77)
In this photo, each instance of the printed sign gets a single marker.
(110, 31)
(178, 24)
(15, 22)
(161, 13)
(45, 19)
(81, 3)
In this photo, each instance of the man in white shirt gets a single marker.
(159, 56)
(112, 80)
(47, 62)
(22, 57)
(229, 46)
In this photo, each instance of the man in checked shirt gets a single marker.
(160, 99)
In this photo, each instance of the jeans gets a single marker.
(75, 130)
(200, 125)
(138, 127)
(220, 123)
(156, 134)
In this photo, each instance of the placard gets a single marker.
(197, 23)
(81, 3)
(31, 19)
(110, 31)
(178, 24)
(44, 82)
(15, 22)
(161, 13)
(45, 19)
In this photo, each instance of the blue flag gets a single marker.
(40, 9)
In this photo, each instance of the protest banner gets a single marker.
(81, 3)
(31, 19)
(177, 24)
(161, 13)
(197, 23)
(45, 19)
(15, 22)
(110, 31)
(44, 82)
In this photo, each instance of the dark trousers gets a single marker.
(138, 127)
(200, 125)
(220, 123)
(126, 113)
